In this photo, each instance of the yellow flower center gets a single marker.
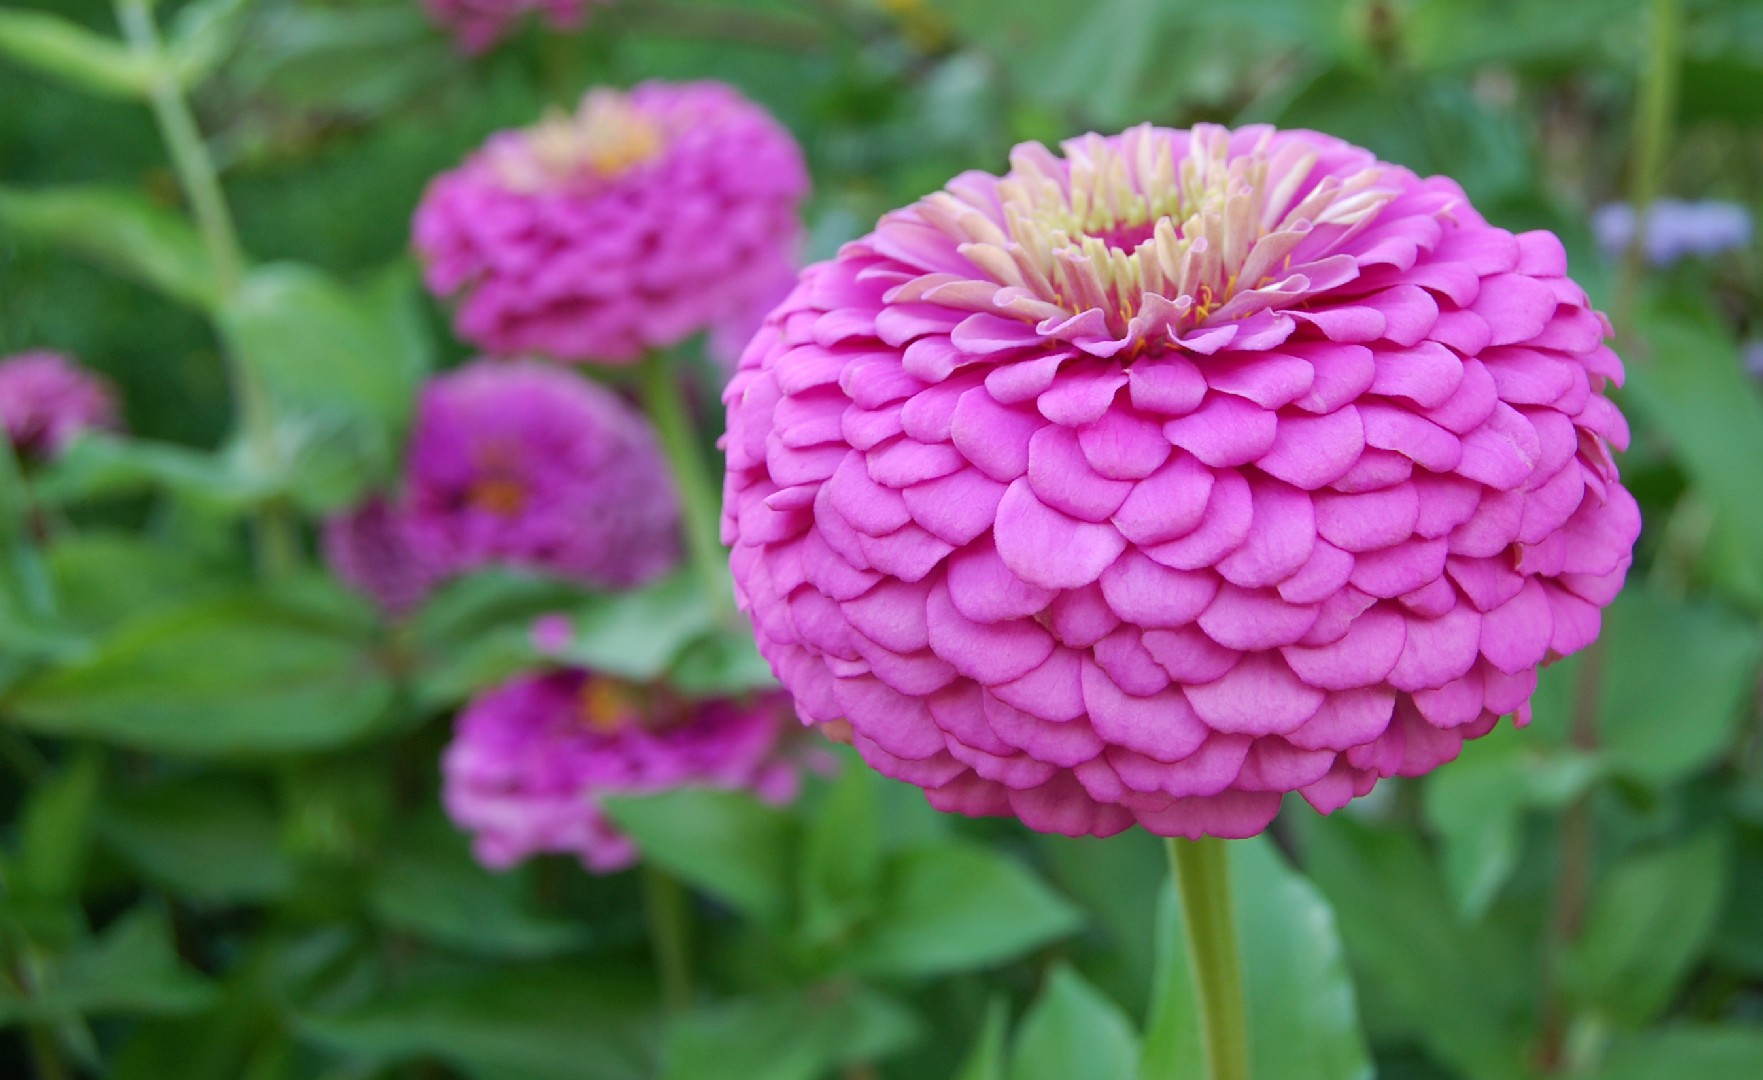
(607, 135)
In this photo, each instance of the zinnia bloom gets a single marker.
(369, 548)
(1155, 480)
(638, 221)
(1675, 229)
(528, 465)
(478, 24)
(531, 759)
(46, 400)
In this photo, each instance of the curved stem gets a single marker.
(1202, 876)
(664, 905)
(20, 558)
(700, 501)
(1655, 116)
(277, 548)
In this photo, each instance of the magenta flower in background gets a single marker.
(632, 224)
(523, 464)
(478, 24)
(531, 759)
(370, 549)
(46, 399)
(1153, 481)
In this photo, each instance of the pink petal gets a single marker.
(1274, 764)
(1063, 479)
(1047, 548)
(1225, 431)
(1255, 619)
(1167, 504)
(1427, 374)
(1169, 385)
(1515, 635)
(1343, 372)
(1122, 446)
(1148, 594)
(1207, 771)
(955, 508)
(1268, 379)
(1402, 568)
(1259, 696)
(1282, 533)
(1503, 452)
(1438, 650)
(1375, 519)
(1162, 726)
(1188, 655)
(986, 652)
(1363, 657)
(1315, 451)
(1515, 306)
(985, 590)
(1389, 427)
(1222, 529)
(993, 437)
(1347, 719)
(1233, 815)
(1322, 575)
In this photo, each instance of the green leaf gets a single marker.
(638, 634)
(132, 967)
(57, 830)
(989, 1055)
(1690, 385)
(1072, 1030)
(102, 578)
(210, 839)
(477, 631)
(98, 466)
(724, 842)
(954, 906)
(797, 1034)
(320, 343)
(1463, 991)
(842, 858)
(1477, 806)
(1702, 1053)
(426, 883)
(119, 230)
(1666, 714)
(244, 673)
(723, 663)
(1303, 1019)
(1649, 922)
(68, 51)
(531, 1022)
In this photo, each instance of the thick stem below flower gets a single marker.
(700, 503)
(664, 905)
(1202, 876)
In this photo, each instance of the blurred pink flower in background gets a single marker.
(46, 400)
(1159, 479)
(478, 24)
(530, 760)
(523, 464)
(635, 222)
(369, 548)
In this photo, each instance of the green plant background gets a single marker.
(223, 855)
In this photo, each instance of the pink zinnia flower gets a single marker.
(369, 548)
(1155, 480)
(478, 24)
(630, 225)
(529, 465)
(46, 400)
(531, 759)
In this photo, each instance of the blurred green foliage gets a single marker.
(222, 851)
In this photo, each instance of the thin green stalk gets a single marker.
(277, 549)
(1202, 875)
(659, 386)
(1654, 120)
(20, 558)
(665, 907)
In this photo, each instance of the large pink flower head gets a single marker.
(531, 759)
(637, 221)
(1155, 480)
(479, 24)
(46, 400)
(524, 464)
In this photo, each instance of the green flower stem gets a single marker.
(1654, 120)
(277, 546)
(669, 917)
(1202, 876)
(20, 559)
(659, 386)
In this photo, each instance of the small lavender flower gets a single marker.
(531, 759)
(46, 400)
(529, 465)
(1675, 229)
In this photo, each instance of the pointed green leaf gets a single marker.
(1071, 1030)
(725, 842)
(70, 52)
(119, 230)
(798, 1034)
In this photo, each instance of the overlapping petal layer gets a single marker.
(638, 221)
(1095, 502)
